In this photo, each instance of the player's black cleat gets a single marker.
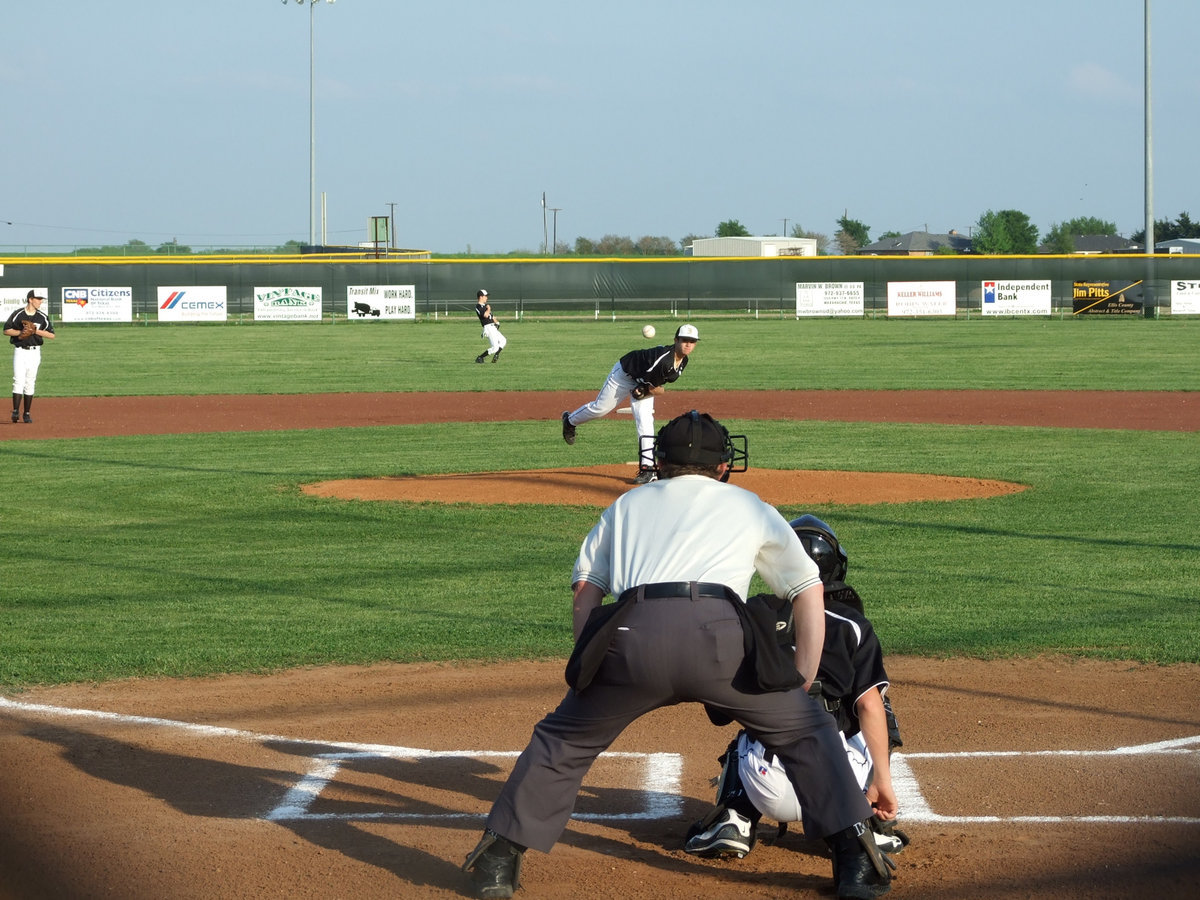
(28, 419)
(645, 475)
(568, 428)
(732, 834)
(481, 357)
(496, 355)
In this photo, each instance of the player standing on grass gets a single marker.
(491, 331)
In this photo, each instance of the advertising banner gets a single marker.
(12, 298)
(1016, 298)
(1185, 298)
(97, 304)
(829, 298)
(921, 298)
(291, 304)
(1106, 298)
(381, 301)
(205, 303)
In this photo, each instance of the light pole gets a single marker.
(312, 119)
(554, 244)
(392, 230)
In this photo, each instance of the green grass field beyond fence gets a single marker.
(193, 554)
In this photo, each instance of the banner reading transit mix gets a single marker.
(829, 298)
(1016, 298)
(379, 301)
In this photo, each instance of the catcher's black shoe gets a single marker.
(568, 428)
(494, 866)
(860, 870)
(481, 357)
(28, 419)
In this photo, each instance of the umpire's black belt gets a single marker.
(670, 589)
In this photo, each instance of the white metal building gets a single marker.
(770, 245)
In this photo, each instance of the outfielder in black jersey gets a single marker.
(639, 375)
(491, 331)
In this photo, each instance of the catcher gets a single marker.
(27, 328)
(851, 683)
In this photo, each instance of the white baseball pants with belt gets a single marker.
(26, 361)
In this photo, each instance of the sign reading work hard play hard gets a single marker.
(381, 301)
(1106, 298)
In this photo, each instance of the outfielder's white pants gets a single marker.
(496, 341)
(616, 388)
(767, 784)
(25, 369)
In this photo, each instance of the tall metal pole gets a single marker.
(392, 229)
(312, 124)
(1147, 285)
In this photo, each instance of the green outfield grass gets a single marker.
(195, 554)
(767, 354)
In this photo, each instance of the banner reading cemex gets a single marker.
(204, 303)
(1185, 298)
(287, 304)
(829, 298)
(97, 304)
(381, 301)
(921, 298)
(1016, 298)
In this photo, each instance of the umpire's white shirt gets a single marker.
(693, 528)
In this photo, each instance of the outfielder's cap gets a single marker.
(694, 438)
(34, 295)
(687, 332)
(482, 293)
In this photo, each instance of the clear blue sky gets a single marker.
(161, 120)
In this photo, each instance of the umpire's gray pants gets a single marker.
(667, 652)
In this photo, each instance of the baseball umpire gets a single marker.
(852, 685)
(491, 331)
(679, 554)
(27, 329)
(640, 376)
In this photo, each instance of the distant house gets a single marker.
(918, 243)
(1178, 245)
(753, 245)
(1090, 244)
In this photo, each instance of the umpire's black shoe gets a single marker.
(495, 866)
(860, 870)
(568, 428)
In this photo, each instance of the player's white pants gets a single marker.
(616, 388)
(767, 785)
(496, 341)
(25, 369)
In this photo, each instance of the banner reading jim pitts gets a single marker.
(1106, 298)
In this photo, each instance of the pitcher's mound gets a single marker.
(600, 485)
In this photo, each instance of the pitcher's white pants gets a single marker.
(616, 388)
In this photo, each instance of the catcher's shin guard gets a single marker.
(494, 866)
(861, 871)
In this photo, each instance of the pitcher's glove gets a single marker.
(641, 391)
(28, 327)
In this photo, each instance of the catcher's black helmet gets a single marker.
(822, 545)
(698, 439)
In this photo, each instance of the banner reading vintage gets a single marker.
(287, 304)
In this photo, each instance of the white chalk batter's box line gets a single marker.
(660, 785)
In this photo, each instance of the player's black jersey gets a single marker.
(654, 365)
(851, 662)
(485, 316)
(39, 318)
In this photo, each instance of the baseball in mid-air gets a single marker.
(648, 331)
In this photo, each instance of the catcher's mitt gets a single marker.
(641, 391)
(28, 327)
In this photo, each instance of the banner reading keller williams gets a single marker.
(921, 298)
(97, 304)
(1016, 298)
(381, 301)
(205, 303)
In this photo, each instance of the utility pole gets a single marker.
(554, 245)
(392, 230)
